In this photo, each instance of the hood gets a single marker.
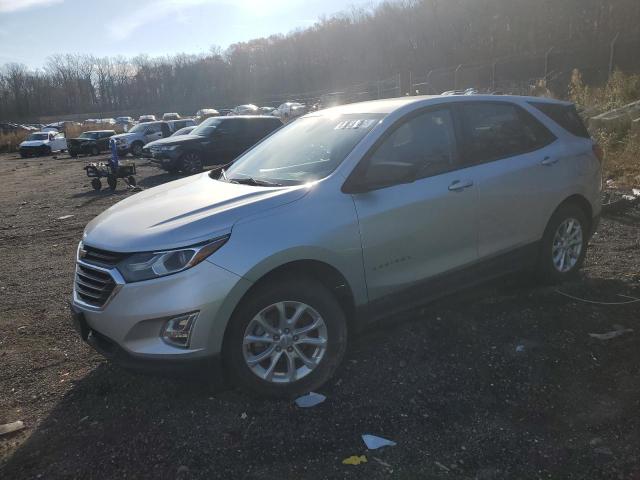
(124, 135)
(179, 140)
(182, 213)
(33, 143)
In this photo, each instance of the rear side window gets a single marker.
(565, 116)
(493, 131)
(268, 126)
(229, 127)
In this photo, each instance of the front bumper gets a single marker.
(128, 327)
(111, 350)
(34, 151)
(167, 160)
(123, 148)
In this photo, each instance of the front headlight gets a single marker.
(168, 148)
(144, 266)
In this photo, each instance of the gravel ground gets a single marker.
(502, 381)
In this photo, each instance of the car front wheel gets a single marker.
(136, 149)
(191, 163)
(285, 339)
(564, 244)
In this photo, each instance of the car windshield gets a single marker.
(207, 127)
(89, 135)
(38, 136)
(306, 150)
(141, 127)
(183, 131)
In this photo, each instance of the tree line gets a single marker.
(349, 47)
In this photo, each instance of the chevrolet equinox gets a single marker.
(341, 217)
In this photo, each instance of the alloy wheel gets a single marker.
(567, 245)
(285, 342)
(191, 163)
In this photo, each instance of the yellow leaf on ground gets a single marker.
(355, 460)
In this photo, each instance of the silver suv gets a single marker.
(341, 217)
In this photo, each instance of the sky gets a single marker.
(31, 30)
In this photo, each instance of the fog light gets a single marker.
(177, 330)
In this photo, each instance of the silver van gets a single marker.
(340, 218)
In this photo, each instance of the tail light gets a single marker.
(598, 152)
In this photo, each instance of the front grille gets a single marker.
(93, 287)
(101, 257)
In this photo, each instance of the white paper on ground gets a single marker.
(310, 400)
(372, 442)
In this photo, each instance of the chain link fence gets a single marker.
(526, 74)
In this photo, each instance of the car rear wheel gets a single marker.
(136, 149)
(285, 339)
(564, 244)
(94, 151)
(191, 163)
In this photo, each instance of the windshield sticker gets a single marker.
(354, 124)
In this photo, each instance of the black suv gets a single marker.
(91, 143)
(215, 141)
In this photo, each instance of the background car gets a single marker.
(91, 143)
(205, 113)
(215, 141)
(290, 110)
(146, 150)
(176, 125)
(183, 131)
(248, 109)
(43, 143)
(135, 139)
(171, 116)
(147, 118)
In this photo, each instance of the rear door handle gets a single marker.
(458, 185)
(549, 161)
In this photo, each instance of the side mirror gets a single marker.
(380, 175)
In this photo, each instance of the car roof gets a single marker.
(389, 105)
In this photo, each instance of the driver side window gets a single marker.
(426, 142)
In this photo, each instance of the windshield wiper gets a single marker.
(254, 181)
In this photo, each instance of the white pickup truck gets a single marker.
(43, 143)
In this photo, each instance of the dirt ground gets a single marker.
(502, 381)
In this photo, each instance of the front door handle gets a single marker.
(458, 185)
(549, 161)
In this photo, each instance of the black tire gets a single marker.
(96, 184)
(112, 181)
(23, 155)
(46, 151)
(548, 271)
(136, 149)
(303, 290)
(132, 180)
(95, 151)
(191, 163)
(73, 154)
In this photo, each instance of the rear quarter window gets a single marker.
(497, 130)
(564, 115)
